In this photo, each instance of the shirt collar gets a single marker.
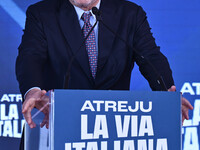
(80, 11)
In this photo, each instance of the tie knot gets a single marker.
(86, 17)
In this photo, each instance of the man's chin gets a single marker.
(85, 4)
(80, 5)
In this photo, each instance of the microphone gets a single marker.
(67, 76)
(160, 80)
(97, 13)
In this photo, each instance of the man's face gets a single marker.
(84, 4)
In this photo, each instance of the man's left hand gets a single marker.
(185, 104)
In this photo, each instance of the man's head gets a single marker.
(84, 4)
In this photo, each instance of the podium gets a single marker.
(108, 120)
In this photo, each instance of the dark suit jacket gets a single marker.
(53, 35)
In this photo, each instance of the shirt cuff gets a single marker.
(31, 89)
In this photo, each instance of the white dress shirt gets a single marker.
(80, 12)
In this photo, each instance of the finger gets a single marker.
(183, 118)
(185, 113)
(46, 110)
(43, 123)
(172, 89)
(47, 124)
(38, 96)
(46, 117)
(43, 92)
(27, 108)
(43, 106)
(45, 98)
(42, 101)
(45, 120)
(23, 107)
(186, 103)
(28, 104)
(28, 119)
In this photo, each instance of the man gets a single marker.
(53, 34)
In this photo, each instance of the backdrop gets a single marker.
(176, 27)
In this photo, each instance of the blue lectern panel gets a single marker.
(117, 120)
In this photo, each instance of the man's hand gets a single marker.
(36, 98)
(185, 105)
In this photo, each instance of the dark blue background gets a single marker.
(175, 25)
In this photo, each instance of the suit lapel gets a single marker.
(106, 38)
(69, 24)
(70, 27)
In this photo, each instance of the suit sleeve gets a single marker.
(144, 42)
(32, 53)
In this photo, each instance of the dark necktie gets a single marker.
(90, 43)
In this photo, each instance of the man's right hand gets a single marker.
(36, 98)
